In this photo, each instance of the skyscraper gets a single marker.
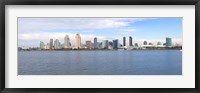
(100, 44)
(136, 44)
(51, 43)
(42, 45)
(145, 43)
(78, 41)
(130, 41)
(66, 42)
(115, 44)
(47, 46)
(88, 44)
(105, 44)
(110, 43)
(124, 41)
(95, 43)
(57, 44)
(168, 42)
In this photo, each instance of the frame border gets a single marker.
(3, 3)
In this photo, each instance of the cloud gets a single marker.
(45, 24)
(33, 30)
(38, 24)
(130, 30)
(127, 31)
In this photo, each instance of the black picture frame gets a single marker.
(3, 3)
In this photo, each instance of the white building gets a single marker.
(42, 45)
(57, 44)
(66, 42)
(78, 41)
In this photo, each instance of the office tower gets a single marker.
(88, 44)
(100, 45)
(110, 43)
(42, 45)
(66, 42)
(159, 43)
(130, 41)
(51, 43)
(57, 44)
(124, 41)
(78, 41)
(105, 44)
(145, 43)
(95, 43)
(168, 42)
(47, 46)
(115, 44)
(136, 44)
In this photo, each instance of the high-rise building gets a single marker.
(78, 41)
(51, 43)
(88, 44)
(42, 45)
(66, 42)
(47, 46)
(115, 44)
(95, 43)
(110, 43)
(130, 41)
(100, 45)
(136, 44)
(105, 44)
(124, 41)
(57, 44)
(168, 42)
(145, 43)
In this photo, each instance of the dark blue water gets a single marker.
(136, 62)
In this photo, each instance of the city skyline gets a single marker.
(102, 28)
(105, 44)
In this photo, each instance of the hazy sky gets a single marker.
(33, 30)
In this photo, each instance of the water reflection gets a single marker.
(140, 62)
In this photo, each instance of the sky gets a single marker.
(33, 30)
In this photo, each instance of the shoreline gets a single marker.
(100, 50)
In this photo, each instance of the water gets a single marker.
(136, 62)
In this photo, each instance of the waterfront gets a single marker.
(112, 62)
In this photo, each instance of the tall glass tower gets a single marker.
(42, 45)
(130, 41)
(124, 41)
(115, 44)
(145, 43)
(57, 44)
(95, 43)
(168, 42)
(51, 43)
(78, 41)
(66, 42)
(105, 44)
